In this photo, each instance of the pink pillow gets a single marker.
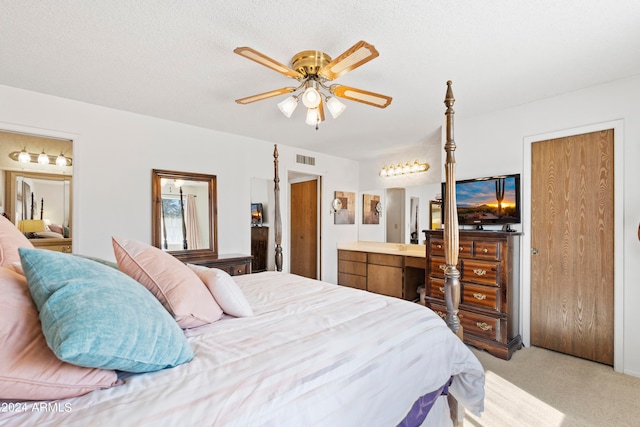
(225, 290)
(177, 287)
(28, 368)
(10, 240)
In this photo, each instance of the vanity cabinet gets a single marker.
(383, 273)
(488, 262)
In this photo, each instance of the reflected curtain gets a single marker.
(191, 220)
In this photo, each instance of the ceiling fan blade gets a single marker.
(359, 95)
(321, 111)
(357, 55)
(261, 96)
(263, 59)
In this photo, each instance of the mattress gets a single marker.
(314, 354)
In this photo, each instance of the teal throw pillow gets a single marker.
(95, 316)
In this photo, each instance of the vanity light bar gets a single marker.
(406, 169)
(25, 157)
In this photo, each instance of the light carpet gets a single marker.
(540, 388)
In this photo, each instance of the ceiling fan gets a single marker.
(312, 69)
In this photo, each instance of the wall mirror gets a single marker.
(184, 214)
(39, 203)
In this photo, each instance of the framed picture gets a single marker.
(256, 213)
(347, 212)
(371, 209)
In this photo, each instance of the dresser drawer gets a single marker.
(480, 296)
(438, 309)
(437, 247)
(437, 267)
(352, 267)
(465, 248)
(437, 288)
(482, 272)
(352, 256)
(238, 269)
(480, 325)
(487, 250)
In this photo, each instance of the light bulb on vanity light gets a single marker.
(61, 160)
(43, 159)
(24, 157)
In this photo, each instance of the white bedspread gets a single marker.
(315, 354)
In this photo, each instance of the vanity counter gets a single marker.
(385, 248)
(385, 268)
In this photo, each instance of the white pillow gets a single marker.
(225, 290)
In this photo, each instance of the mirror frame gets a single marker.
(11, 191)
(156, 215)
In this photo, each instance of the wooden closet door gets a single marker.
(304, 229)
(572, 245)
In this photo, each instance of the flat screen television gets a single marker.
(256, 213)
(488, 200)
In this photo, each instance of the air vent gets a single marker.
(305, 160)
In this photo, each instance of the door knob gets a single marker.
(534, 251)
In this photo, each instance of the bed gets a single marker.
(310, 353)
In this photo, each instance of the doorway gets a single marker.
(572, 245)
(304, 223)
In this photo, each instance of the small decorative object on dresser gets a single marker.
(489, 266)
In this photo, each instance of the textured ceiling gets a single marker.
(175, 60)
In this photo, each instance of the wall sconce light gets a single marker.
(42, 158)
(406, 169)
(336, 205)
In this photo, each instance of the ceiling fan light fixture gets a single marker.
(289, 105)
(311, 97)
(335, 107)
(313, 116)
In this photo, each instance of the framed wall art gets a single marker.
(347, 212)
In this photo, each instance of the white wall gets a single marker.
(114, 152)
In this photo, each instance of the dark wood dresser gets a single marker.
(489, 296)
(234, 264)
(259, 246)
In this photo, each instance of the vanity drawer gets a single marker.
(352, 281)
(480, 296)
(482, 272)
(352, 256)
(384, 259)
(351, 267)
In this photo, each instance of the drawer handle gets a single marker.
(484, 326)
(479, 271)
(439, 246)
(443, 267)
(485, 250)
(461, 248)
(479, 296)
(441, 314)
(441, 289)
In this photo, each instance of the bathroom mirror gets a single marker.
(39, 204)
(184, 214)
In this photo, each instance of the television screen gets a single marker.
(485, 201)
(256, 213)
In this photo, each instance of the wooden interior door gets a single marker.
(572, 240)
(304, 228)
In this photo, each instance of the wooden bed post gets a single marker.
(451, 244)
(278, 220)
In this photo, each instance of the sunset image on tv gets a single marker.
(487, 201)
